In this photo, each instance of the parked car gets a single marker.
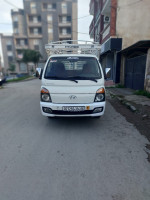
(2, 78)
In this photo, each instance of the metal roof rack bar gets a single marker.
(73, 47)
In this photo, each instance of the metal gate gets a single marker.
(135, 72)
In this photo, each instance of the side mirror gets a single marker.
(41, 73)
(107, 73)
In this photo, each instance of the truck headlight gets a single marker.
(100, 95)
(45, 95)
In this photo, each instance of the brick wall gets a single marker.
(113, 17)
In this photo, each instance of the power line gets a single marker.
(11, 4)
(49, 22)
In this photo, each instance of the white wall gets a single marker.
(133, 21)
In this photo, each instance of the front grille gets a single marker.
(59, 112)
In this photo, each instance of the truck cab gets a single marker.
(72, 86)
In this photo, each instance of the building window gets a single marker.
(15, 18)
(49, 6)
(35, 31)
(22, 42)
(64, 19)
(9, 48)
(35, 20)
(68, 30)
(68, 18)
(54, 6)
(16, 31)
(64, 31)
(36, 47)
(64, 7)
(15, 24)
(36, 42)
(45, 6)
(10, 58)
(50, 30)
(23, 67)
(49, 18)
(9, 42)
(33, 6)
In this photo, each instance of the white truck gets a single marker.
(72, 81)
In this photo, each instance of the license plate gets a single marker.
(73, 108)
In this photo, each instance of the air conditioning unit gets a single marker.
(106, 19)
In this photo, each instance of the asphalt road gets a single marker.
(67, 159)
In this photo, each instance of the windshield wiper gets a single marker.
(72, 80)
(92, 80)
(60, 78)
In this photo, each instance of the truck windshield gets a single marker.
(73, 68)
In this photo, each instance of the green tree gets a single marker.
(31, 56)
(12, 67)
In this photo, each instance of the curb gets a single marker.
(123, 101)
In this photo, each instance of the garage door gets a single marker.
(135, 72)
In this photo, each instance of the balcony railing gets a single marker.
(106, 6)
(106, 32)
(62, 36)
(64, 24)
(34, 24)
(97, 15)
(92, 7)
(91, 28)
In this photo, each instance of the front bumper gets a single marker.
(58, 112)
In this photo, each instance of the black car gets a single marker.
(2, 78)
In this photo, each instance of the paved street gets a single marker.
(67, 159)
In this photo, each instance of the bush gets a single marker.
(143, 93)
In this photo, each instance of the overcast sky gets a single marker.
(83, 10)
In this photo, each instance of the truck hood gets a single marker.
(65, 91)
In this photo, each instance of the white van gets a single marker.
(72, 86)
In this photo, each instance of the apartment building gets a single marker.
(40, 22)
(120, 27)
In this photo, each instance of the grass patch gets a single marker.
(19, 79)
(120, 86)
(142, 93)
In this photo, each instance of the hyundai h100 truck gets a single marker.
(72, 81)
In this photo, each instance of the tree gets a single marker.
(36, 57)
(12, 67)
(31, 56)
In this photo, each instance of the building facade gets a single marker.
(40, 22)
(117, 25)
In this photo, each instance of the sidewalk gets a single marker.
(128, 95)
(136, 103)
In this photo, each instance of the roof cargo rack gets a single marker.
(73, 47)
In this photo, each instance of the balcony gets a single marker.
(64, 24)
(20, 36)
(18, 46)
(92, 7)
(106, 32)
(91, 29)
(33, 35)
(34, 24)
(66, 36)
(97, 16)
(106, 7)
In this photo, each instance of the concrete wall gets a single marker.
(147, 73)
(74, 22)
(133, 21)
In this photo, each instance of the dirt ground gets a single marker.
(140, 118)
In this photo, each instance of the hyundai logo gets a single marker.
(72, 97)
